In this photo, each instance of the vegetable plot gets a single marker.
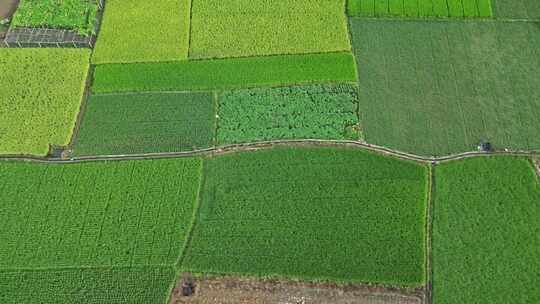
(316, 214)
(76, 15)
(317, 111)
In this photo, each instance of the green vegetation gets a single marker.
(521, 9)
(77, 15)
(441, 88)
(224, 73)
(239, 28)
(146, 123)
(420, 8)
(40, 97)
(123, 213)
(87, 285)
(485, 233)
(326, 213)
(316, 111)
(105, 232)
(141, 31)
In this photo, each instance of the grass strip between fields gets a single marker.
(225, 73)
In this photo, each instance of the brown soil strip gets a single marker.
(536, 163)
(234, 290)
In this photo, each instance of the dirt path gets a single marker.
(269, 144)
(231, 290)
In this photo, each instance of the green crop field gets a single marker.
(239, 28)
(40, 97)
(325, 213)
(420, 8)
(77, 15)
(316, 111)
(521, 9)
(146, 123)
(485, 232)
(87, 285)
(113, 225)
(224, 73)
(440, 89)
(142, 31)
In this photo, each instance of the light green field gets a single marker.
(239, 28)
(225, 73)
(316, 214)
(442, 87)
(147, 123)
(142, 31)
(486, 232)
(41, 93)
(75, 15)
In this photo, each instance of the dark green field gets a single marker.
(486, 232)
(519, 9)
(440, 89)
(316, 111)
(87, 285)
(317, 214)
(147, 123)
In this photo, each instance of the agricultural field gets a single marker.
(291, 151)
(76, 15)
(316, 111)
(216, 74)
(146, 123)
(421, 8)
(485, 232)
(143, 31)
(40, 98)
(114, 220)
(87, 285)
(240, 28)
(442, 88)
(520, 9)
(316, 214)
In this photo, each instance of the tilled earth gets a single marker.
(231, 290)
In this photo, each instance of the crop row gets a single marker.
(420, 8)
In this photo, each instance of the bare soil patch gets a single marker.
(234, 290)
(7, 8)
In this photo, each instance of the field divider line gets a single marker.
(428, 295)
(236, 148)
(447, 19)
(82, 108)
(29, 269)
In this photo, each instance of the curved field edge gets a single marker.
(281, 233)
(485, 231)
(215, 74)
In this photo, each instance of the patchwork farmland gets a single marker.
(264, 151)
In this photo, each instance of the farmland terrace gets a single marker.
(255, 151)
